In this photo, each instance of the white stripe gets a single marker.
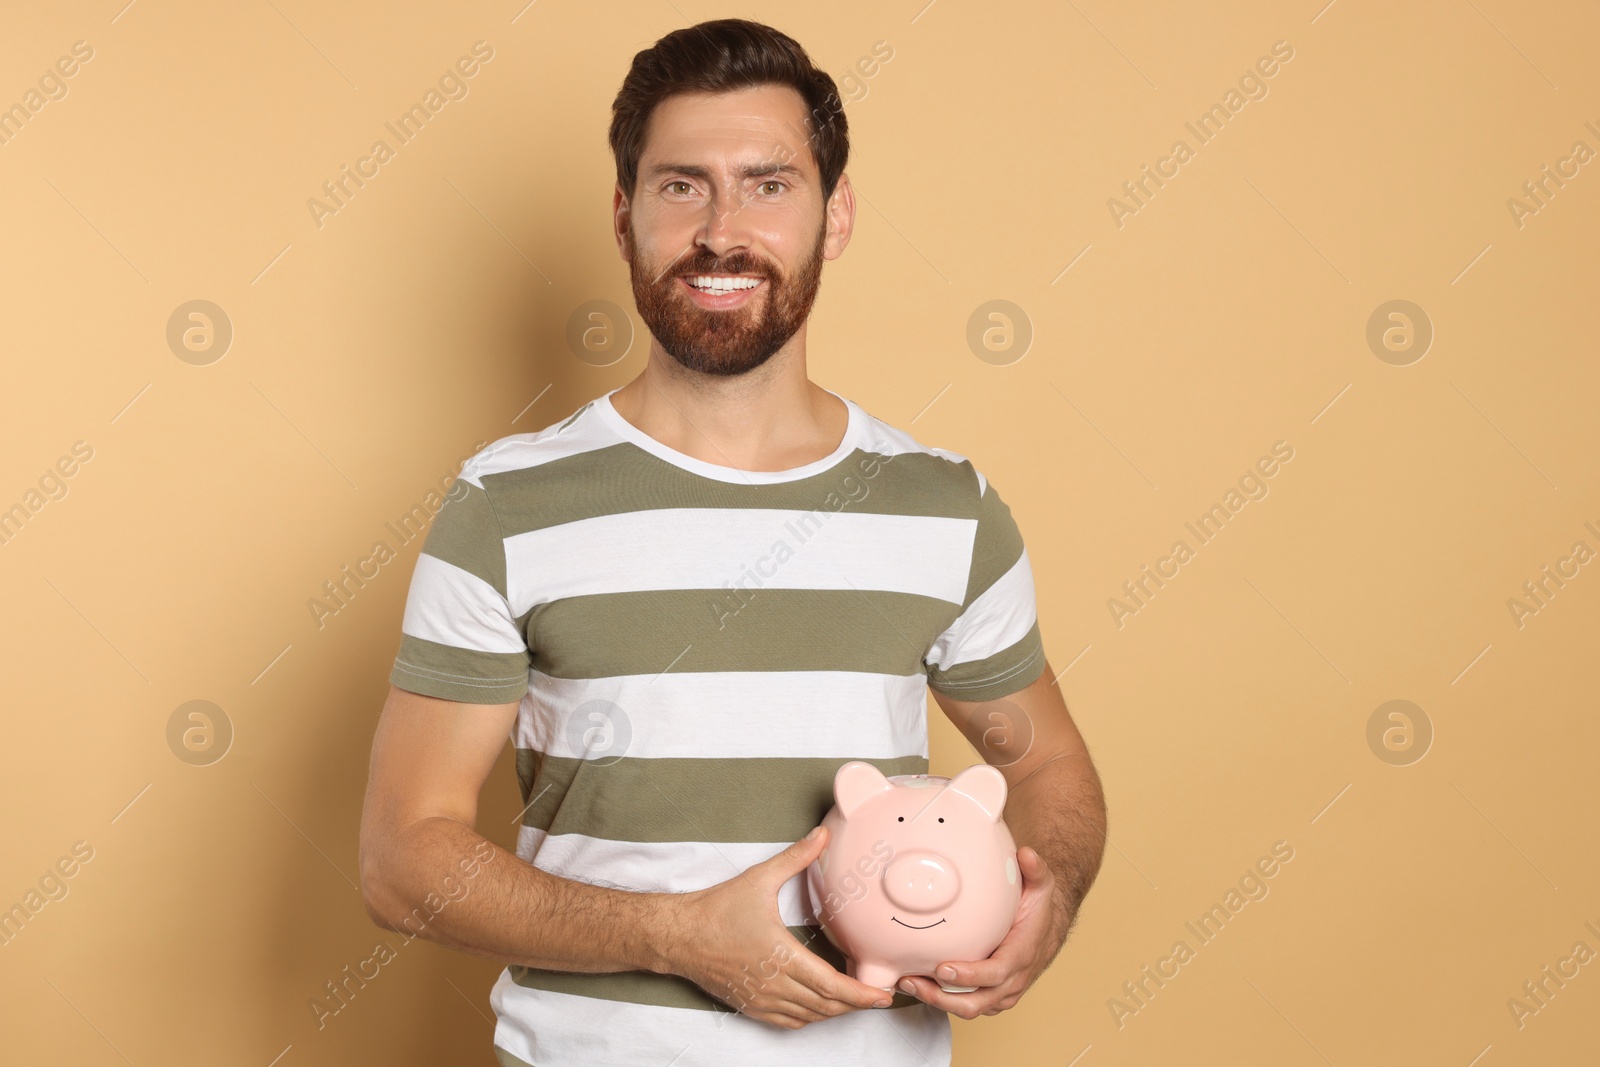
(562, 1030)
(519, 451)
(886, 440)
(718, 549)
(993, 622)
(606, 411)
(727, 715)
(660, 866)
(455, 607)
(590, 431)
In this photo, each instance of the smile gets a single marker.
(721, 283)
(908, 926)
(716, 291)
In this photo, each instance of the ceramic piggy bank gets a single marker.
(919, 869)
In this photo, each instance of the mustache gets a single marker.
(739, 263)
(730, 266)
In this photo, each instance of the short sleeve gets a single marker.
(459, 639)
(993, 648)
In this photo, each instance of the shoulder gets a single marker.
(928, 468)
(572, 435)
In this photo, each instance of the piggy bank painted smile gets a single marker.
(919, 870)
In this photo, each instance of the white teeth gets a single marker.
(713, 283)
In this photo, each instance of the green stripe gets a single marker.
(622, 478)
(759, 629)
(997, 546)
(671, 990)
(995, 676)
(459, 674)
(694, 631)
(631, 798)
(467, 534)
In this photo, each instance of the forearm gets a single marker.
(442, 880)
(1059, 811)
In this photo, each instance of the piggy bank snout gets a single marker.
(921, 881)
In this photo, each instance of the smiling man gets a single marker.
(689, 602)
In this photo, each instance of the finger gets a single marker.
(799, 1012)
(793, 989)
(1004, 962)
(828, 983)
(780, 1018)
(849, 992)
(797, 856)
(800, 998)
(1008, 957)
(783, 1001)
(1035, 871)
(966, 1005)
(835, 986)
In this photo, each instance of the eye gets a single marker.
(941, 818)
(773, 181)
(902, 818)
(676, 182)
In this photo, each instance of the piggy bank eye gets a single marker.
(941, 818)
(902, 818)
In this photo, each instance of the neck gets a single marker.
(773, 418)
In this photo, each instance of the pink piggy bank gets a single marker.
(919, 869)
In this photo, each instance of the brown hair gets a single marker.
(721, 56)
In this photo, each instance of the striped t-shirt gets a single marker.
(697, 649)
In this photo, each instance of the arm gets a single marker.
(1055, 809)
(1054, 801)
(430, 759)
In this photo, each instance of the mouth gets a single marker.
(721, 291)
(908, 926)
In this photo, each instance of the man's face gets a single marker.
(728, 195)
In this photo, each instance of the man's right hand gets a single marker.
(730, 941)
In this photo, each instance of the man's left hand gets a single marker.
(1035, 937)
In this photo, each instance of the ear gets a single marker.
(984, 785)
(855, 783)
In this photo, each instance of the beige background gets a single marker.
(1230, 312)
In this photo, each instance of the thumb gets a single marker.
(799, 855)
(1034, 868)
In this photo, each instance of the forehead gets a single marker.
(763, 123)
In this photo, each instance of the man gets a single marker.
(689, 602)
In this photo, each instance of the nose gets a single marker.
(921, 881)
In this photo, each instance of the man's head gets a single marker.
(730, 148)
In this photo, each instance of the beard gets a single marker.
(732, 342)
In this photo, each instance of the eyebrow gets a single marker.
(753, 170)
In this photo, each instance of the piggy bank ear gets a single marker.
(855, 783)
(984, 785)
